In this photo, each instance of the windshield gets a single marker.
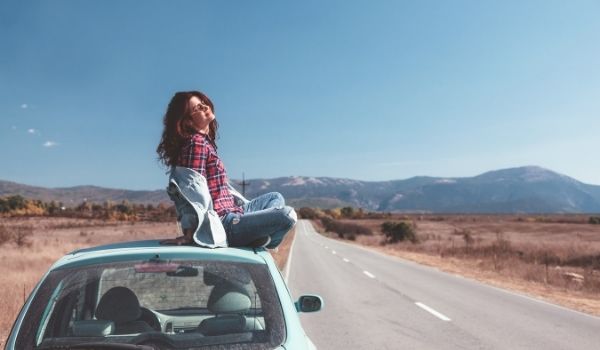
(171, 304)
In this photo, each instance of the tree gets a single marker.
(16, 202)
(125, 207)
(84, 207)
(347, 212)
(52, 208)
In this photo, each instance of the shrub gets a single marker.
(11, 203)
(468, 238)
(334, 213)
(308, 213)
(343, 229)
(21, 236)
(398, 231)
(594, 220)
(124, 208)
(5, 236)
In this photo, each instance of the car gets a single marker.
(144, 295)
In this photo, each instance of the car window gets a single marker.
(181, 304)
(162, 292)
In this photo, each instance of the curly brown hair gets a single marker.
(179, 126)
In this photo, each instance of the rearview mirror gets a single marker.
(183, 271)
(309, 303)
(171, 269)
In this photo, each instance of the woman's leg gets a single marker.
(273, 200)
(265, 201)
(247, 228)
(278, 235)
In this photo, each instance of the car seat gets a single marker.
(229, 302)
(121, 305)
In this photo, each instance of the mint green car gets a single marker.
(142, 295)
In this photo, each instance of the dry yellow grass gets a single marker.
(21, 268)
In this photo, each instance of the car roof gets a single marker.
(147, 249)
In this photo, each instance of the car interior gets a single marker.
(168, 300)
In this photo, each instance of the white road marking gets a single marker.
(346, 260)
(333, 252)
(289, 262)
(432, 311)
(369, 274)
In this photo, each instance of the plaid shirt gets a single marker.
(200, 155)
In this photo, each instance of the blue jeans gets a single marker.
(265, 215)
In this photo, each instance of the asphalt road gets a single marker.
(373, 301)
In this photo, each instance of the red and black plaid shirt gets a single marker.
(200, 155)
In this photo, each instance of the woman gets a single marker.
(188, 140)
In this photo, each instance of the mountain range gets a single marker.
(528, 189)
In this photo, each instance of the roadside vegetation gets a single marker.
(558, 253)
(18, 206)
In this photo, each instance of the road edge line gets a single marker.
(289, 260)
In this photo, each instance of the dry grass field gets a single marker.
(556, 257)
(22, 267)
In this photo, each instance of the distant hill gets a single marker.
(527, 189)
(71, 196)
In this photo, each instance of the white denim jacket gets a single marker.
(189, 190)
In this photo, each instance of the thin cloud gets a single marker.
(33, 131)
(24, 106)
(49, 144)
(13, 127)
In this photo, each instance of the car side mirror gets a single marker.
(309, 303)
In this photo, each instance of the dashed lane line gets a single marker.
(433, 312)
(419, 304)
(369, 274)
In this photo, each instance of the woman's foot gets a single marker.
(261, 242)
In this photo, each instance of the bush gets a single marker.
(5, 236)
(11, 203)
(21, 236)
(347, 212)
(398, 231)
(334, 213)
(343, 229)
(594, 220)
(308, 213)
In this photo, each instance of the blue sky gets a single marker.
(368, 90)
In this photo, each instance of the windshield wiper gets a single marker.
(94, 346)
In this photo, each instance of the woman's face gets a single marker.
(201, 114)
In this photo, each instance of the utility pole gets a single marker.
(244, 183)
